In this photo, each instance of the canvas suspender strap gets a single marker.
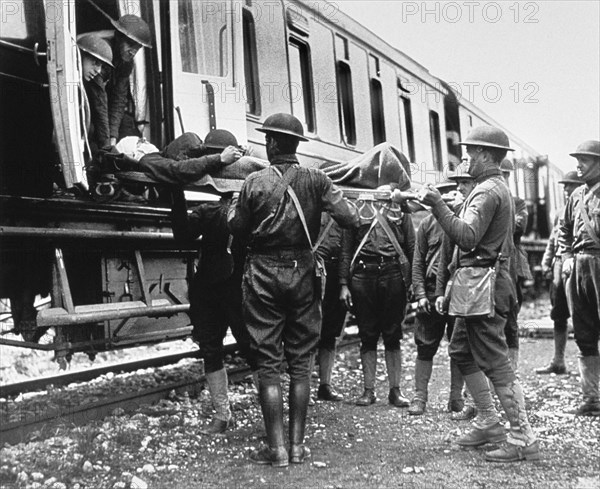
(404, 263)
(294, 198)
(282, 185)
(362, 243)
(584, 215)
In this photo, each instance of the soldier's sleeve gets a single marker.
(185, 227)
(181, 172)
(565, 228)
(521, 218)
(409, 232)
(118, 97)
(239, 217)
(346, 253)
(96, 94)
(333, 201)
(550, 250)
(467, 231)
(418, 265)
(443, 274)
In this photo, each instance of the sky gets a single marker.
(533, 66)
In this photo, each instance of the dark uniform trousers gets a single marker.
(584, 291)
(282, 301)
(379, 297)
(478, 343)
(558, 294)
(213, 308)
(430, 327)
(334, 310)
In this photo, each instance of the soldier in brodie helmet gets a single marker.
(483, 233)
(279, 211)
(95, 54)
(552, 270)
(579, 239)
(108, 92)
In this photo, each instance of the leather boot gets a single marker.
(521, 443)
(298, 400)
(486, 426)
(456, 403)
(368, 360)
(423, 369)
(589, 367)
(513, 356)
(274, 453)
(326, 392)
(557, 365)
(393, 362)
(217, 386)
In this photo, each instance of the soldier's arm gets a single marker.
(565, 229)
(333, 201)
(118, 98)
(181, 172)
(419, 265)
(239, 217)
(96, 94)
(185, 227)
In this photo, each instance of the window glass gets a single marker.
(300, 83)
(436, 145)
(203, 36)
(250, 65)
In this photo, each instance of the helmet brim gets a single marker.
(584, 153)
(101, 58)
(282, 131)
(119, 27)
(485, 145)
(571, 181)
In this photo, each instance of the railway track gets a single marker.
(45, 421)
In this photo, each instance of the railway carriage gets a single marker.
(113, 272)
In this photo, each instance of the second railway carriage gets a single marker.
(114, 274)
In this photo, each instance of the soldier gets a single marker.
(579, 239)
(215, 296)
(429, 325)
(519, 267)
(334, 310)
(375, 276)
(484, 235)
(108, 92)
(552, 269)
(96, 55)
(279, 209)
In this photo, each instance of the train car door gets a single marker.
(65, 90)
(207, 66)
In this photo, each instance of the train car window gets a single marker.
(251, 64)
(406, 110)
(301, 83)
(203, 34)
(436, 143)
(344, 89)
(377, 117)
(374, 69)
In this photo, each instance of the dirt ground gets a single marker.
(378, 447)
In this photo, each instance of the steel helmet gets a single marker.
(507, 165)
(282, 123)
(460, 173)
(588, 148)
(220, 139)
(489, 137)
(446, 185)
(97, 47)
(571, 177)
(135, 28)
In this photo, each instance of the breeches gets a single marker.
(213, 308)
(558, 294)
(379, 297)
(584, 290)
(478, 343)
(282, 310)
(334, 310)
(429, 331)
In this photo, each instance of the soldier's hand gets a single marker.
(547, 272)
(429, 195)
(230, 155)
(439, 305)
(346, 296)
(423, 306)
(567, 267)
